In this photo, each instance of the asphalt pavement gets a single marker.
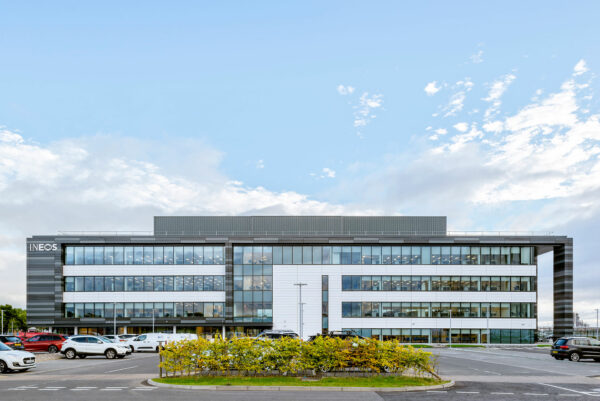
(491, 374)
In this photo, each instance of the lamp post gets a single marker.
(597, 338)
(300, 309)
(2, 328)
(115, 319)
(488, 326)
(450, 329)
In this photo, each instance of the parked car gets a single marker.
(13, 341)
(82, 346)
(44, 342)
(275, 334)
(114, 339)
(11, 359)
(126, 337)
(343, 334)
(576, 348)
(153, 341)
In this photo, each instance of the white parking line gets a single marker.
(467, 392)
(436, 391)
(118, 370)
(111, 389)
(566, 389)
(503, 393)
(535, 393)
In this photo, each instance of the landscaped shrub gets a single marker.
(290, 356)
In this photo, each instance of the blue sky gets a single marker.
(122, 111)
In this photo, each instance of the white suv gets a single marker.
(82, 346)
(11, 359)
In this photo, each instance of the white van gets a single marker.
(152, 341)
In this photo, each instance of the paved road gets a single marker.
(495, 374)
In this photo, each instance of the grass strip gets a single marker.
(375, 381)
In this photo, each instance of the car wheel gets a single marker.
(574, 357)
(110, 354)
(70, 354)
(82, 356)
(132, 349)
(53, 349)
(3, 367)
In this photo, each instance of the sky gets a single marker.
(484, 112)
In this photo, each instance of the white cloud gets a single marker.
(494, 126)
(329, 173)
(364, 111)
(345, 90)
(441, 131)
(260, 164)
(496, 91)
(580, 68)
(457, 100)
(462, 127)
(477, 57)
(431, 88)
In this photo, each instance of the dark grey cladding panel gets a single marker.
(299, 225)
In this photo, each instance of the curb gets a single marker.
(301, 388)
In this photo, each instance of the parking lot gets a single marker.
(494, 374)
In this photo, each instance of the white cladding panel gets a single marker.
(143, 270)
(142, 296)
(286, 296)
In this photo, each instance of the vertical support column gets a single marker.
(563, 289)
(228, 282)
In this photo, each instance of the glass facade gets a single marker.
(253, 284)
(440, 283)
(144, 309)
(459, 336)
(143, 283)
(144, 255)
(439, 310)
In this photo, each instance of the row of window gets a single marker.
(144, 255)
(375, 255)
(356, 255)
(144, 283)
(255, 312)
(144, 309)
(438, 283)
(439, 309)
(458, 336)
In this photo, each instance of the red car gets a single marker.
(44, 342)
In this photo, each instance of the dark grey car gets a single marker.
(576, 348)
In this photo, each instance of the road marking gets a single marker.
(535, 394)
(494, 373)
(569, 395)
(111, 389)
(116, 387)
(565, 388)
(144, 388)
(86, 387)
(48, 389)
(118, 370)
(503, 393)
(436, 391)
(467, 392)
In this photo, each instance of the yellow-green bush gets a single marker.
(289, 356)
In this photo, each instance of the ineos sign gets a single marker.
(43, 247)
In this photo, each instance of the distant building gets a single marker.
(387, 277)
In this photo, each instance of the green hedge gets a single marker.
(290, 356)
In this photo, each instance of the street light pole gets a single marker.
(450, 329)
(597, 323)
(2, 329)
(115, 319)
(300, 309)
(488, 326)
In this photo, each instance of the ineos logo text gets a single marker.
(43, 247)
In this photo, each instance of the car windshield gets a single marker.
(4, 347)
(12, 339)
(104, 339)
